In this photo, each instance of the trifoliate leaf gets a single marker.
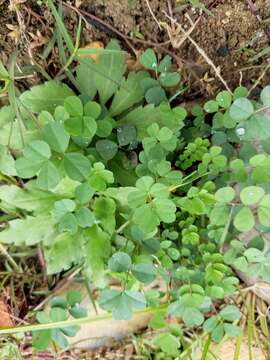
(211, 106)
(68, 223)
(119, 262)
(121, 303)
(73, 106)
(155, 95)
(251, 195)
(169, 79)
(244, 220)
(224, 99)
(126, 134)
(85, 217)
(225, 195)
(230, 313)
(84, 193)
(148, 59)
(265, 96)
(232, 330)
(92, 109)
(56, 136)
(168, 343)
(48, 176)
(144, 272)
(37, 151)
(74, 297)
(77, 166)
(107, 149)
(241, 109)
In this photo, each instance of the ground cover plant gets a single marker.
(108, 175)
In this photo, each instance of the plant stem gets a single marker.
(62, 324)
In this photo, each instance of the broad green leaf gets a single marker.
(225, 195)
(110, 68)
(264, 211)
(73, 106)
(155, 95)
(211, 106)
(240, 92)
(97, 250)
(74, 297)
(121, 303)
(254, 255)
(48, 176)
(241, 109)
(26, 169)
(144, 272)
(42, 339)
(244, 220)
(210, 324)
(37, 151)
(58, 314)
(78, 312)
(11, 135)
(169, 79)
(29, 198)
(85, 71)
(168, 343)
(224, 99)
(28, 231)
(119, 262)
(218, 333)
(219, 215)
(165, 210)
(100, 177)
(62, 207)
(146, 217)
(165, 64)
(257, 127)
(251, 195)
(126, 134)
(63, 252)
(148, 59)
(232, 330)
(129, 94)
(192, 317)
(230, 313)
(68, 223)
(77, 166)
(107, 149)
(265, 96)
(56, 136)
(7, 162)
(84, 193)
(45, 97)
(92, 109)
(104, 209)
(85, 217)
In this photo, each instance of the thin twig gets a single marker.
(259, 78)
(152, 14)
(203, 54)
(256, 13)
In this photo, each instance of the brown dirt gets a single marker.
(230, 37)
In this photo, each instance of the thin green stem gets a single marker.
(62, 324)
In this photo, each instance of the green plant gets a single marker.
(60, 310)
(109, 179)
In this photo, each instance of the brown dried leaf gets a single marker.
(5, 319)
